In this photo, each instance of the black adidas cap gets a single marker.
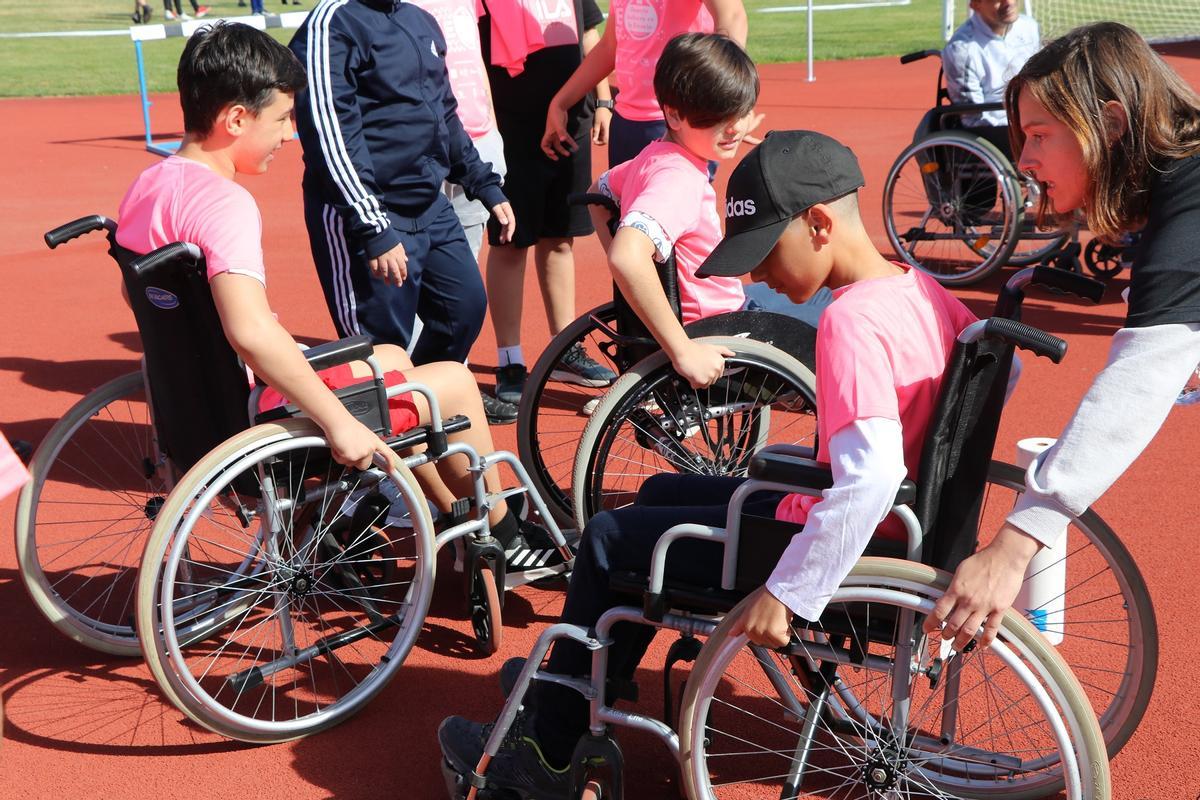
(789, 172)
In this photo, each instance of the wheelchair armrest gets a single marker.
(804, 472)
(343, 351)
(793, 450)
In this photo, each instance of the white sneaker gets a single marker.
(185, 18)
(168, 15)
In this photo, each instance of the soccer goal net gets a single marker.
(1157, 20)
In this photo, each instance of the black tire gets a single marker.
(952, 207)
(551, 419)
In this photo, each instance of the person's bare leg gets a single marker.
(457, 393)
(555, 262)
(506, 291)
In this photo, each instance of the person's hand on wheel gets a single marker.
(983, 588)
(766, 622)
(700, 364)
(390, 267)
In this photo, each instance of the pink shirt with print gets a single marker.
(180, 200)
(643, 29)
(882, 347)
(459, 21)
(665, 193)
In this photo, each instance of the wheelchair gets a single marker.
(660, 423)
(861, 704)
(272, 590)
(956, 207)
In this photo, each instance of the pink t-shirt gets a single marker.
(180, 200)
(882, 347)
(665, 193)
(13, 474)
(643, 29)
(459, 21)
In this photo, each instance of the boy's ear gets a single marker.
(673, 118)
(234, 118)
(820, 220)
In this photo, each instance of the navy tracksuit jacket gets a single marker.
(380, 132)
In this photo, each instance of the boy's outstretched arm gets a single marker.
(271, 352)
(867, 461)
(631, 258)
(729, 18)
(596, 67)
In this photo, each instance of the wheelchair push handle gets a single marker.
(908, 58)
(165, 254)
(1025, 337)
(597, 199)
(76, 228)
(1071, 282)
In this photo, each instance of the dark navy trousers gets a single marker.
(619, 541)
(443, 285)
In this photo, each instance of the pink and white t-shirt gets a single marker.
(665, 193)
(459, 21)
(882, 347)
(643, 29)
(180, 200)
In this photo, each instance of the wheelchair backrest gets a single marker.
(198, 387)
(958, 450)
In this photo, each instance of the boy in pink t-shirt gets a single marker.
(707, 86)
(192, 197)
(882, 347)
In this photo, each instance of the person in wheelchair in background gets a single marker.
(237, 87)
(980, 58)
(707, 86)
(883, 344)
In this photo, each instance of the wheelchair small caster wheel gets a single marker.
(1102, 260)
(485, 608)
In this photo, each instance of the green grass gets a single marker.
(105, 65)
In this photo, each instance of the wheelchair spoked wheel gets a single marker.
(1010, 721)
(264, 617)
(952, 207)
(485, 609)
(98, 483)
(1109, 630)
(554, 411)
(652, 421)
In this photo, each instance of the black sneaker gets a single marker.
(510, 382)
(497, 411)
(519, 767)
(531, 549)
(579, 368)
(510, 670)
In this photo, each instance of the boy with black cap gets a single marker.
(882, 346)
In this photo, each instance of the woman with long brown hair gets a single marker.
(1108, 129)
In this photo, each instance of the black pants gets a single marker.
(619, 541)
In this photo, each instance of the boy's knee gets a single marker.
(601, 534)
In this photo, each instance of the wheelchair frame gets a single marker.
(1062, 699)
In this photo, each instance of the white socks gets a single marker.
(511, 355)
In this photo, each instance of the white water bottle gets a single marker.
(1042, 598)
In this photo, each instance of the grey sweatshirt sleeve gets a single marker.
(1115, 421)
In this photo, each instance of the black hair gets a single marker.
(229, 62)
(707, 78)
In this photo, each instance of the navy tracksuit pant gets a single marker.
(443, 285)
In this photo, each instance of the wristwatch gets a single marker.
(605, 104)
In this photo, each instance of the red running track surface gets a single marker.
(79, 724)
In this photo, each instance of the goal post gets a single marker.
(1156, 20)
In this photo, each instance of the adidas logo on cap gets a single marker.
(739, 208)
